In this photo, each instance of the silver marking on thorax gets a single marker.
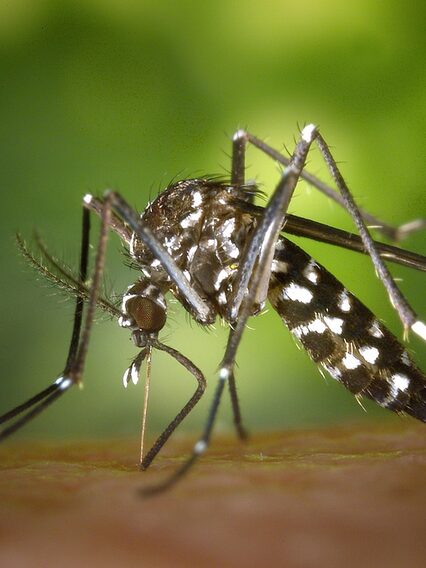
(197, 199)
(222, 275)
(191, 219)
(222, 298)
(228, 228)
(191, 252)
(171, 244)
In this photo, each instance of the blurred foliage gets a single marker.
(130, 94)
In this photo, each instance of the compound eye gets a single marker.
(149, 316)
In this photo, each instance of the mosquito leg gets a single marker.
(59, 388)
(258, 251)
(310, 229)
(116, 224)
(238, 164)
(260, 247)
(35, 405)
(331, 235)
(236, 410)
(79, 305)
(162, 439)
(197, 451)
(75, 364)
(28, 404)
(406, 314)
(242, 137)
(238, 179)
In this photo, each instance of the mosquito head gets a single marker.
(145, 311)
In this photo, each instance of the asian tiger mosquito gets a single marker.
(219, 254)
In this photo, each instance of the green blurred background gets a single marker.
(130, 94)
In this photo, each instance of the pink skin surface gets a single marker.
(352, 496)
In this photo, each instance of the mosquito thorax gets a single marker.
(144, 311)
(202, 225)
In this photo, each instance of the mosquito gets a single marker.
(207, 243)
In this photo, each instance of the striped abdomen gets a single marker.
(342, 335)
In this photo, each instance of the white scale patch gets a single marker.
(399, 382)
(318, 326)
(63, 383)
(200, 447)
(171, 244)
(350, 361)
(344, 302)
(332, 371)
(132, 244)
(308, 133)
(191, 252)
(279, 266)
(228, 228)
(230, 249)
(150, 290)
(132, 373)
(223, 274)
(334, 324)
(370, 354)
(375, 330)
(315, 326)
(125, 299)
(191, 219)
(406, 359)
(197, 199)
(125, 322)
(420, 328)
(311, 272)
(222, 298)
(297, 293)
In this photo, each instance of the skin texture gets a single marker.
(352, 496)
